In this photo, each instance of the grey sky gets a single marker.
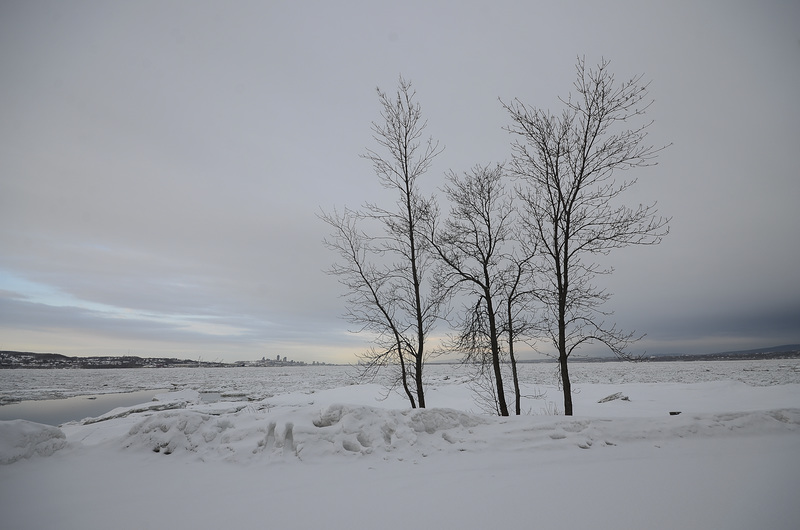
(162, 163)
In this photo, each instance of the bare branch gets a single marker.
(567, 167)
(388, 293)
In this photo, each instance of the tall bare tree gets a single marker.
(519, 291)
(475, 245)
(569, 165)
(386, 273)
(372, 303)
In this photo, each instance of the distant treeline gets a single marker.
(788, 351)
(15, 359)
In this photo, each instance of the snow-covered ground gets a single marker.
(331, 454)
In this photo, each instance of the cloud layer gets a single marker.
(162, 164)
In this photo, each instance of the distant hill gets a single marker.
(787, 351)
(16, 359)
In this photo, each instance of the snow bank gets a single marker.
(21, 439)
(304, 433)
(353, 422)
(359, 430)
(349, 431)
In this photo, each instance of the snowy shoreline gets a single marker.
(349, 456)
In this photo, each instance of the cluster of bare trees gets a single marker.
(516, 246)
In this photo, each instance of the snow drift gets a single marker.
(347, 431)
(23, 439)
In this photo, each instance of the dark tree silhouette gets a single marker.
(475, 245)
(385, 274)
(569, 165)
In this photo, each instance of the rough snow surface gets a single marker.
(305, 434)
(350, 456)
(23, 439)
(260, 432)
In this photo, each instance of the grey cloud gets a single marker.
(118, 330)
(172, 161)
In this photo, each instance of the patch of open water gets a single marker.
(58, 411)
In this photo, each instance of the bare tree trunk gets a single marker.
(419, 382)
(512, 358)
(566, 385)
(419, 356)
(563, 290)
(495, 344)
(407, 390)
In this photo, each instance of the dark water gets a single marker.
(58, 411)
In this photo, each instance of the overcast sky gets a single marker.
(162, 163)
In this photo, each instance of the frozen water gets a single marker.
(259, 383)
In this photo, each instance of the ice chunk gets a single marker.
(187, 396)
(23, 439)
(613, 397)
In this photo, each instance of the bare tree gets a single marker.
(386, 273)
(475, 246)
(371, 299)
(518, 287)
(569, 164)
